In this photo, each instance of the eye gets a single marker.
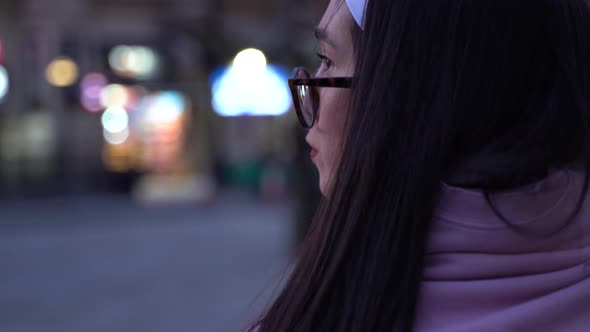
(325, 60)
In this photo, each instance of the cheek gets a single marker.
(333, 107)
(330, 126)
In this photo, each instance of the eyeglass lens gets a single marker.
(306, 103)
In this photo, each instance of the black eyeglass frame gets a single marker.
(325, 82)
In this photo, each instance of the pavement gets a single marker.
(105, 263)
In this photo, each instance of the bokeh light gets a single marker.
(114, 95)
(251, 87)
(163, 107)
(115, 119)
(4, 82)
(62, 72)
(116, 138)
(134, 94)
(137, 62)
(90, 90)
(250, 59)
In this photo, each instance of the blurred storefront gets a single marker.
(124, 96)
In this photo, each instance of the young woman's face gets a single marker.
(335, 42)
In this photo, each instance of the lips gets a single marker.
(313, 153)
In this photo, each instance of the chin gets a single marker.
(323, 186)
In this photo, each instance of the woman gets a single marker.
(452, 138)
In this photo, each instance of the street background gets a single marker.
(152, 173)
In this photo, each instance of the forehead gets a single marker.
(337, 21)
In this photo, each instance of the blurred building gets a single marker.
(115, 95)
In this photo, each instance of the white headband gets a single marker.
(357, 8)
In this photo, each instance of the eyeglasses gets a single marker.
(306, 97)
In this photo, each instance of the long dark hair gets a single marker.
(487, 94)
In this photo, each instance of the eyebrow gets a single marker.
(321, 35)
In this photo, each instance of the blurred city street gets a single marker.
(153, 174)
(105, 263)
